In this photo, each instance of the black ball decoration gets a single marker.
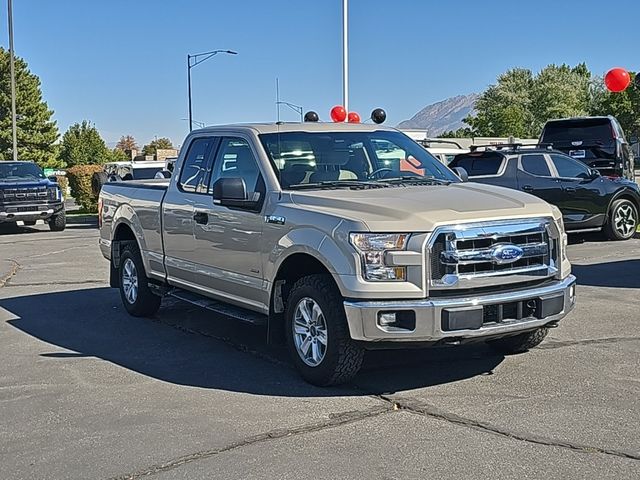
(311, 116)
(378, 116)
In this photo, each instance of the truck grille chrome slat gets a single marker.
(485, 255)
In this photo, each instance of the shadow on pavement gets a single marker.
(216, 353)
(619, 274)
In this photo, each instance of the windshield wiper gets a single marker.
(412, 179)
(353, 184)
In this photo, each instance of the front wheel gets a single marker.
(622, 221)
(137, 297)
(519, 343)
(317, 333)
(58, 222)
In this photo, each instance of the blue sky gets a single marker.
(122, 64)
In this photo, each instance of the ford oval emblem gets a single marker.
(506, 253)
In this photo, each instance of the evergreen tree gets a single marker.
(36, 131)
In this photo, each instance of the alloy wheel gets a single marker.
(130, 281)
(624, 219)
(310, 332)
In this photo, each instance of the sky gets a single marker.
(122, 64)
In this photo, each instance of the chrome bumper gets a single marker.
(40, 212)
(362, 316)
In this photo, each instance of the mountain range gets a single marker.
(443, 116)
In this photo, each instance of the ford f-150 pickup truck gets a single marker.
(338, 247)
(27, 195)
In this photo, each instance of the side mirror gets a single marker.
(461, 173)
(52, 178)
(232, 192)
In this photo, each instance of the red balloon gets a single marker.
(338, 113)
(353, 117)
(617, 79)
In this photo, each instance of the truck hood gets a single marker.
(422, 208)
(26, 183)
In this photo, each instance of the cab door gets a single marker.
(187, 188)
(535, 177)
(228, 241)
(584, 202)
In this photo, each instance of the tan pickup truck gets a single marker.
(341, 238)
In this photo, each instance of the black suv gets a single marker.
(27, 195)
(599, 142)
(586, 199)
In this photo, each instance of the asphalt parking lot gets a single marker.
(89, 392)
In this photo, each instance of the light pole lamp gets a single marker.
(192, 61)
(292, 106)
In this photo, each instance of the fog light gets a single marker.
(386, 319)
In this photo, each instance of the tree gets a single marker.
(36, 131)
(83, 145)
(520, 103)
(159, 143)
(625, 106)
(504, 108)
(559, 92)
(127, 142)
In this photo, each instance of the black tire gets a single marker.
(622, 220)
(342, 356)
(144, 303)
(519, 343)
(97, 181)
(58, 222)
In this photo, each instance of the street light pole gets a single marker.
(192, 61)
(345, 54)
(14, 128)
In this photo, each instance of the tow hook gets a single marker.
(552, 325)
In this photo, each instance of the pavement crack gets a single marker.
(45, 284)
(335, 420)
(552, 344)
(12, 272)
(421, 408)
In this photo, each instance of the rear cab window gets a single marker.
(479, 164)
(535, 164)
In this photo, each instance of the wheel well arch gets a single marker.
(625, 195)
(292, 268)
(122, 235)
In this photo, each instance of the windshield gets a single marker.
(307, 159)
(10, 171)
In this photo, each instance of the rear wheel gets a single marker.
(137, 297)
(519, 343)
(622, 221)
(58, 222)
(317, 333)
(97, 181)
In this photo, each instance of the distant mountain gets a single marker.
(440, 117)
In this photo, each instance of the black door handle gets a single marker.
(201, 217)
(527, 188)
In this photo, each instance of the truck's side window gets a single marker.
(535, 164)
(195, 164)
(235, 159)
(567, 167)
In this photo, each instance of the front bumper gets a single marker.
(29, 212)
(450, 319)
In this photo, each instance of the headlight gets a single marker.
(372, 247)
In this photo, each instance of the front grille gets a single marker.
(492, 254)
(16, 196)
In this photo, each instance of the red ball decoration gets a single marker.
(353, 117)
(338, 113)
(617, 79)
